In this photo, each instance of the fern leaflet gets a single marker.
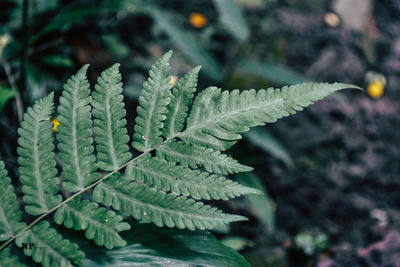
(153, 106)
(6, 259)
(10, 215)
(181, 98)
(101, 225)
(217, 117)
(75, 134)
(50, 248)
(36, 158)
(150, 205)
(195, 156)
(109, 122)
(182, 181)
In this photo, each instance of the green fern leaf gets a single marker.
(217, 117)
(49, 248)
(153, 106)
(179, 180)
(36, 158)
(101, 225)
(150, 205)
(195, 156)
(75, 134)
(181, 99)
(109, 121)
(161, 185)
(7, 260)
(10, 214)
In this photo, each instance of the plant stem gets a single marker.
(82, 191)
(13, 85)
(25, 44)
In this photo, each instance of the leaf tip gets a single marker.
(168, 55)
(82, 71)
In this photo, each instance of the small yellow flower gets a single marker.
(332, 19)
(174, 80)
(197, 20)
(55, 124)
(376, 88)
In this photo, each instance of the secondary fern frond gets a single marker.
(153, 106)
(75, 134)
(181, 99)
(150, 205)
(195, 156)
(101, 225)
(10, 214)
(49, 249)
(109, 121)
(36, 158)
(183, 181)
(6, 259)
(218, 116)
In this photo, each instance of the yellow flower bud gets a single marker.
(4, 40)
(55, 124)
(375, 89)
(197, 20)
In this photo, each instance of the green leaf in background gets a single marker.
(237, 243)
(265, 141)
(311, 241)
(73, 13)
(149, 245)
(188, 43)
(256, 3)
(5, 94)
(262, 205)
(58, 61)
(232, 18)
(273, 73)
(118, 49)
(36, 85)
(45, 5)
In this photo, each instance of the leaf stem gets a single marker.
(83, 190)
(13, 85)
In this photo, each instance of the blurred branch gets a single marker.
(13, 85)
(25, 43)
(54, 43)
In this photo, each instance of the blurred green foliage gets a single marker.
(262, 205)
(311, 241)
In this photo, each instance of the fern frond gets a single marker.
(217, 117)
(109, 120)
(36, 158)
(182, 95)
(6, 259)
(195, 156)
(49, 248)
(99, 224)
(153, 106)
(167, 176)
(150, 205)
(10, 214)
(75, 134)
